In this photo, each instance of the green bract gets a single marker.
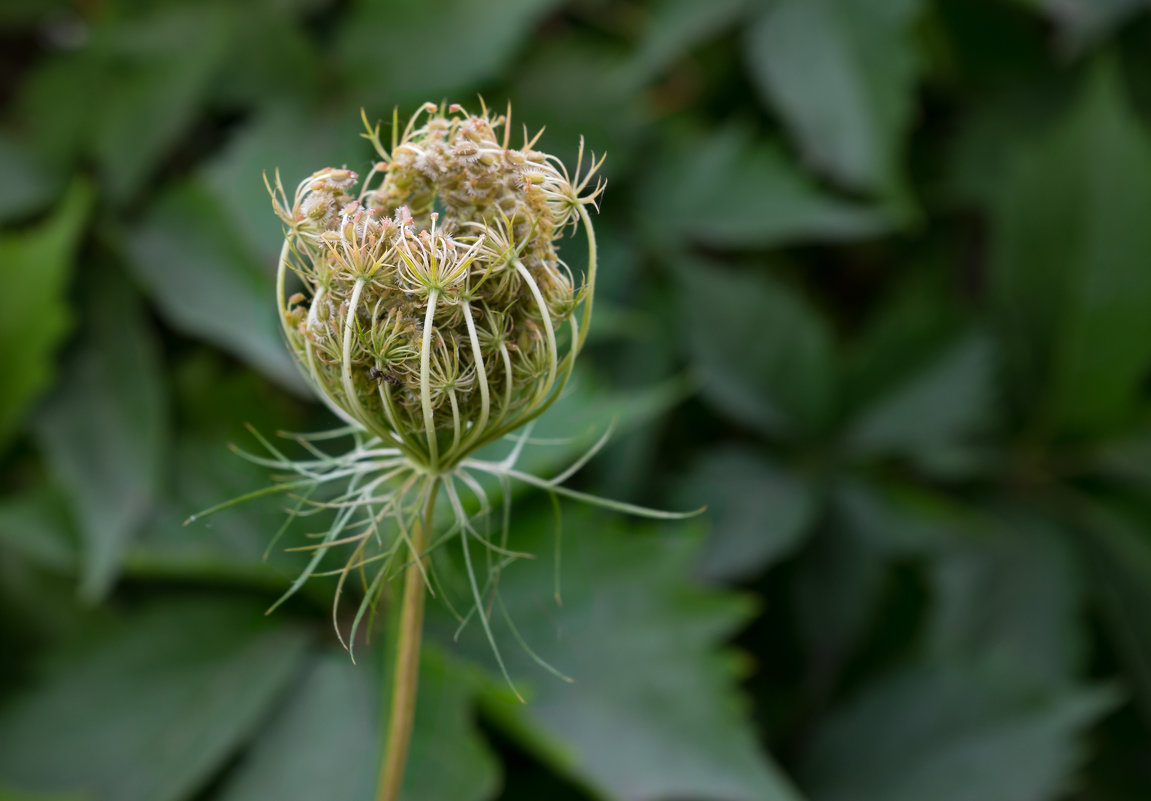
(435, 311)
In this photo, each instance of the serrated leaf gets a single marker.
(188, 255)
(842, 73)
(953, 733)
(728, 189)
(1070, 283)
(35, 266)
(151, 710)
(763, 355)
(653, 712)
(448, 760)
(104, 432)
(759, 511)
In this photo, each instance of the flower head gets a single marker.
(434, 311)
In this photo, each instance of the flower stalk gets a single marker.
(406, 661)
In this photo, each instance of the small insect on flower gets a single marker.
(376, 374)
(431, 312)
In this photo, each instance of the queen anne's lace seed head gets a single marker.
(434, 309)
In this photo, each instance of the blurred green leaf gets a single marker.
(214, 403)
(35, 266)
(104, 428)
(323, 743)
(936, 409)
(842, 578)
(7, 795)
(843, 74)
(59, 132)
(28, 185)
(900, 518)
(1120, 552)
(326, 742)
(728, 189)
(295, 140)
(1085, 23)
(1070, 282)
(835, 588)
(586, 412)
(953, 733)
(674, 27)
(228, 547)
(760, 510)
(904, 336)
(431, 50)
(149, 711)
(281, 62)
(987, 140)
(20, 13)
(1010, 593)
(158, 71)
(652, 713)
(574, 88)
(36, 524)
(38, 601)
(189, 256)
(762, 354)
(989, 45)
(1126, 458)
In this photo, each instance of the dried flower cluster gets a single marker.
(435, 311)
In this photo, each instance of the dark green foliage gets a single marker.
(875, 286)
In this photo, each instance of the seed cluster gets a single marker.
(434, 309)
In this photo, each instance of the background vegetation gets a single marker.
(877, 288)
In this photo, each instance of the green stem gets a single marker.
(405, 682)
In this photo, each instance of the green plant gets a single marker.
(434, 316)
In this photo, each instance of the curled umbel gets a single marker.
(428, 303)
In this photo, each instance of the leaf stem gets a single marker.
(405, 681)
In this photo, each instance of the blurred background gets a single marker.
(876, 287)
